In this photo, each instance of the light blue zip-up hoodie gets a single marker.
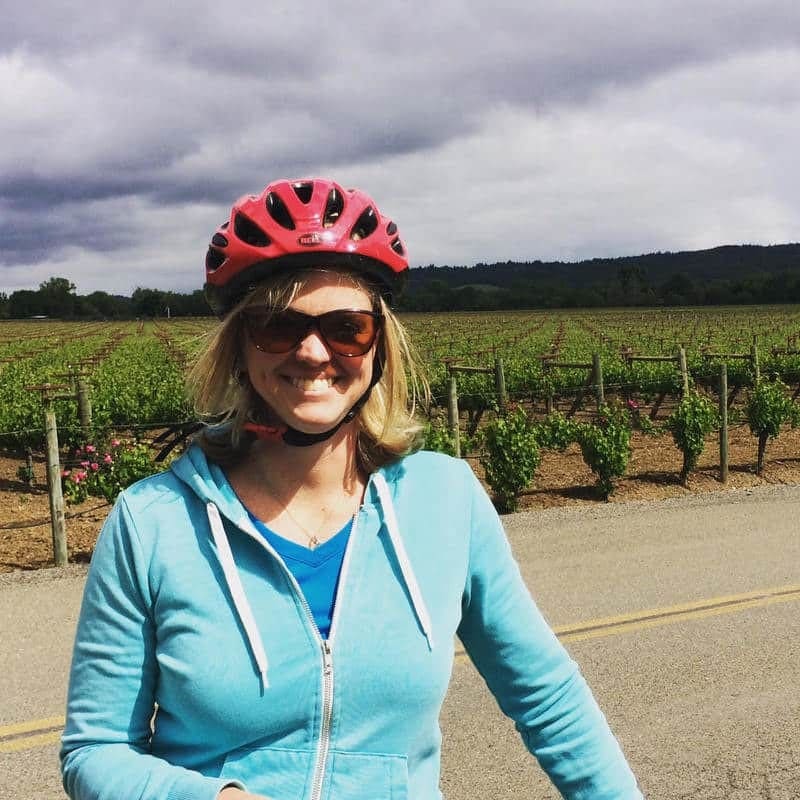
(188, 610)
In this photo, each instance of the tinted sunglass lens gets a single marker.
(349, 333)
(276, 334)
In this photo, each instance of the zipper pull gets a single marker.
(327, 657)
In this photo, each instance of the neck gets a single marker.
(329, 466)
(303, 493)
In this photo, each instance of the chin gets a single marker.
(318, 428)
(313, 425)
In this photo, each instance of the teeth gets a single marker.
(315, 385)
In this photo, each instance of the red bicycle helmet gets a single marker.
(302, 223)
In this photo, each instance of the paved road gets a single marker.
(683, 615)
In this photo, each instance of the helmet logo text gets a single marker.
(310, 239)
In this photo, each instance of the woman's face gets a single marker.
(311, 388)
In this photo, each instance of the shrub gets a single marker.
(695, 417)
(510, 457)
(768, 407)
(438, 438)
(106, 471)
(606, 446)
(555, 432)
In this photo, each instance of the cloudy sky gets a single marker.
(487, 130)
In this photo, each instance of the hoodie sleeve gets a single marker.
(530, 673)
(106, 743)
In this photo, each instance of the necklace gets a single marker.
(313, 540)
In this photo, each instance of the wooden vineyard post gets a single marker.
(452, 397)
(597, 371)
(684, 370)
(77, 379)
(452, 415)
(500, 383)
(57, 521)
(84, 407)
(723, 426)
(754, 359)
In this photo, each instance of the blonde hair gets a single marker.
(387, 425)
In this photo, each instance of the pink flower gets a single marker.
(65, 473)
(95, 466)
(107, 459)
(84, 464)
(115, 442)
(90, 448)
(76, 478)
(81, 476)
(632, 405)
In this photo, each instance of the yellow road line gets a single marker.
(29, 742)
(31, 725)
(651, 618)
(577, 632)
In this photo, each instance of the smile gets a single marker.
(312, 384)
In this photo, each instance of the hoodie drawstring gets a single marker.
(242, 606)
(237, 592)
(420, 609)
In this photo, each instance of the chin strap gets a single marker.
(269, 433)
(296, 438)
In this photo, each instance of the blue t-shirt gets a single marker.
(317, 571)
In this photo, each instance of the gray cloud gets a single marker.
(165, 108)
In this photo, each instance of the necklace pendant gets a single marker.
(313, 543)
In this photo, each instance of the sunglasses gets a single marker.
(347, 332)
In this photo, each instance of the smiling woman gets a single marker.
(286, 597)
(273, 326)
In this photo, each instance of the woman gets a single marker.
(274, 617)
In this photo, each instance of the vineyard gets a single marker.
(118, 385)
(133, 371)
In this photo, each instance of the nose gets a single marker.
(313, 349)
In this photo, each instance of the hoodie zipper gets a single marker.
(326, 649)
(327, 670)
(325, 726)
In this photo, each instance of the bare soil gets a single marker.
(561, 480)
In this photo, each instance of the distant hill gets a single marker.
(726, 274)
(728, 262)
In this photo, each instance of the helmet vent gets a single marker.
(365, 224)
(278, 211)
(249, 232)
(214, 259)
(219, 240)
(225, 224)
(391, 229)
(397, 246)
(303, 190)
(333, 208)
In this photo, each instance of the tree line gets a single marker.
(680, 289)
(729, 275)
(57, 297)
